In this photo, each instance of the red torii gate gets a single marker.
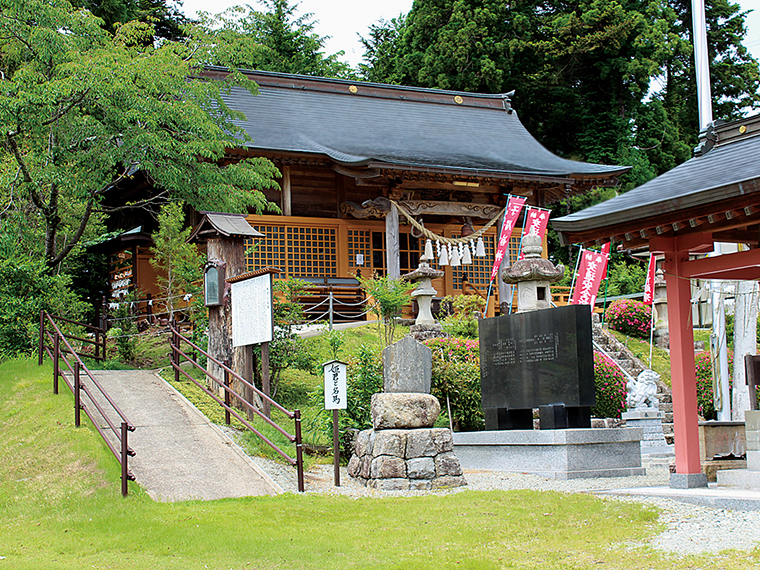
(714, 197)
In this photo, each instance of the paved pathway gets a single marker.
(179, 454)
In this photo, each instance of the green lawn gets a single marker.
(61, 508)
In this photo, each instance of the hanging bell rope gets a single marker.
(427, 233)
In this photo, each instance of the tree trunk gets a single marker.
(232, 253)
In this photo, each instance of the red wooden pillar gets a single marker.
(685, 423)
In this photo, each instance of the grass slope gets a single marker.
(61, 509)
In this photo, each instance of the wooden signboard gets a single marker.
(252, 310)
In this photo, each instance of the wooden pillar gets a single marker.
(685, 423)
(392, 248)
(286, 200)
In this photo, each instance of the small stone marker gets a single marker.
(407, 367)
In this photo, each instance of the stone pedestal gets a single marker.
(748, 478)
(650, 422)
(403, 451)
(558, 454)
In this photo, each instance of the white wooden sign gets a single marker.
(252, 311)
(335, 385)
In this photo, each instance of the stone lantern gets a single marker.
(425, 326)
(533, 274)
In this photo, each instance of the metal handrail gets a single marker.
(78, 387)
(615, 362)
(99, 333)
(176, 351)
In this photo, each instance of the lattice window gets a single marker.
(312, 252)
(269, 251)
(358, 244)
(479, 273)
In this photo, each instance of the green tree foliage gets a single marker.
(275, 40)
(390, 296)
(82, 110)
(164, 15)
(26, 288)
(582, 71)
(178, 264)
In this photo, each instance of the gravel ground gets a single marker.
(690, 529)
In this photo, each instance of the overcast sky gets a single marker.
(345, 20)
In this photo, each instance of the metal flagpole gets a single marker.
(575, 272)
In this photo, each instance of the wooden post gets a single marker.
(286, 199)
(336, 448)
(685, 423)
(265, 377)
(392, 247)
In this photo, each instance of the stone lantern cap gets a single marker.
(422, 272)
(533, 267)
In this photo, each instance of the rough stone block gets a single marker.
(447, 482)
(365, 467)
(387, 467)
(389, 484)
(447, 464)
(428, 442)
(404, 411)
(363, 442)
(420, 468)
(354, 466)
(420, 484)
(389, 442)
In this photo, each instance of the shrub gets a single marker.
(705, 392)
(456, 374)
(464, 312)
(609, 388)
(630, 317)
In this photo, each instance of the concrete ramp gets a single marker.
(180, 455)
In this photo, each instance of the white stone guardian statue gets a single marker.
(642, 393)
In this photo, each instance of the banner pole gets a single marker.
(575, 272)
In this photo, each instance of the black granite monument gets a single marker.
(539, 359)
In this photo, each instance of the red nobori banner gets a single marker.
(514, 206)
(536, 220)
(649, 284)
(593, 265)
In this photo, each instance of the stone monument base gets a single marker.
(403, 450)
(558, 454)
(401, 459)
(739, 478)
(650, 421)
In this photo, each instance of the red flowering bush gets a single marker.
(632, 318)
(456, 374)
(610, 388)
(705, 392)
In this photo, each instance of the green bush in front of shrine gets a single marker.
(705, 392)
(609, 388)
(455, 381)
